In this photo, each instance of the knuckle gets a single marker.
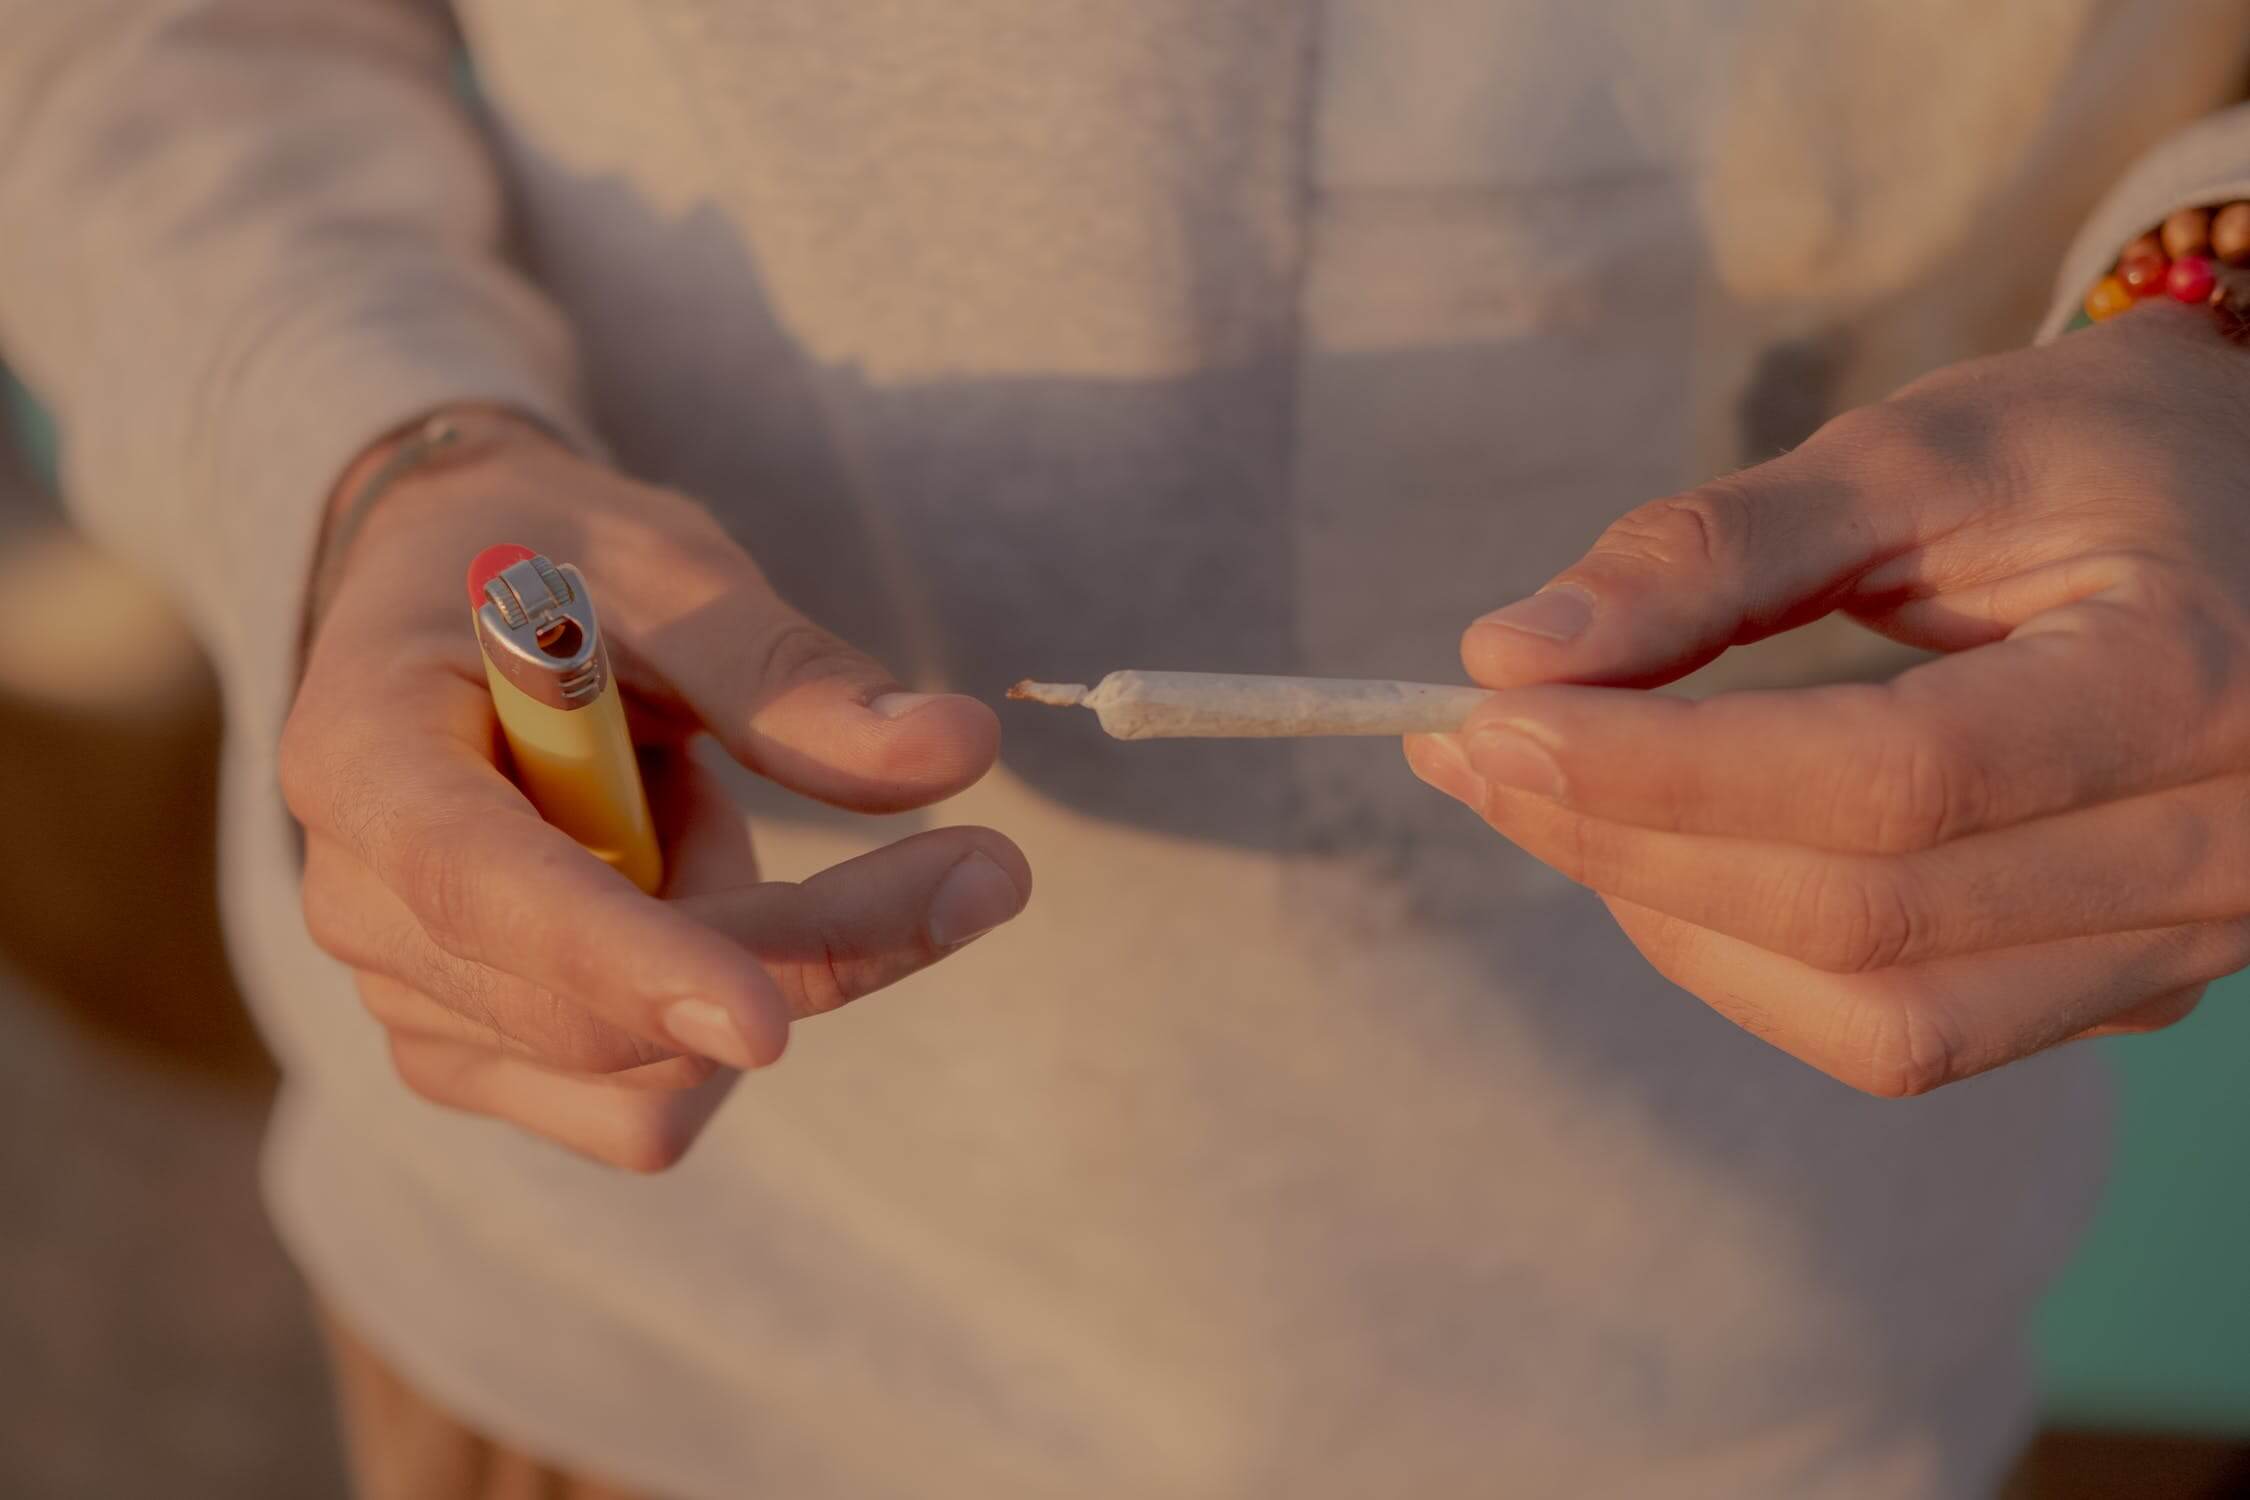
(297, 765)
(579, 1043)
(388, 1004)
(1707, 528)
(1925, 790)
(1904, 1049)
(2157, 1014)
(819, 968)
(444, 874)
(675, 1074)
(474, 993)
(1675, 949)
(330, 781)
(436, 878)
(1572, 845)
(1875, 427)
(546, 1027)
(796, 650)
(607, 1056)
(417, 1070)
(357, 799)
(649, 1137)
(323, 910)
(2229, 944)
(826, 978)
(1857, 916)
(2193, 632)
(2137, 577)
(1938, 432)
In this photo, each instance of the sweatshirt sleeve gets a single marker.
(2207, 163)
(240, 240)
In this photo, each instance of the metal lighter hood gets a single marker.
(538, 629)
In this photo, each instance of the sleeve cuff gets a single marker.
(281, 422)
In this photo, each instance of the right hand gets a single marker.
(518, 976)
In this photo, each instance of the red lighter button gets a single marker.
(489, 564)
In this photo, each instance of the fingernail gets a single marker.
(899, 705)
(704, 1028)
(1561, 613)
(975, 897)
(1445, 765)
(1515, 759)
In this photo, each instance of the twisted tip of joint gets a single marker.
(1054, 694)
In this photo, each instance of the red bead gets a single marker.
(2191, 279)
(2143, 275)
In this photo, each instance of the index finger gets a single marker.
(402, 773)
(2083, 705)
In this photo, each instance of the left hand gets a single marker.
(513, 973)
(2043, 834)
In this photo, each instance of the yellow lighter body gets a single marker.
(577, 767)
(560, 708)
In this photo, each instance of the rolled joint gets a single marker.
(1053, 694)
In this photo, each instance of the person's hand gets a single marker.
(2043, 834)
(517, 975)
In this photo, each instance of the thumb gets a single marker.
(801, 707)
(1675, 582)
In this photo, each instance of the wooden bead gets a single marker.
(2107, 299)
(2143, 275)
(2187, 232)
(2230, 234)
(2147, 244)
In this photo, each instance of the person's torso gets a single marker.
(1302, 1137)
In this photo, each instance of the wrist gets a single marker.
(447, 441)
(484, 430)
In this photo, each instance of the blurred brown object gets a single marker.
(2067, 1465)
(109, 737)
(158, 1341)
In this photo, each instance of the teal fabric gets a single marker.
(28, 427)
(2148, 1327)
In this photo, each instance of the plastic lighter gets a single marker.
(560, 708)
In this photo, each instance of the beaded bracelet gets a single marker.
(2192, 258)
